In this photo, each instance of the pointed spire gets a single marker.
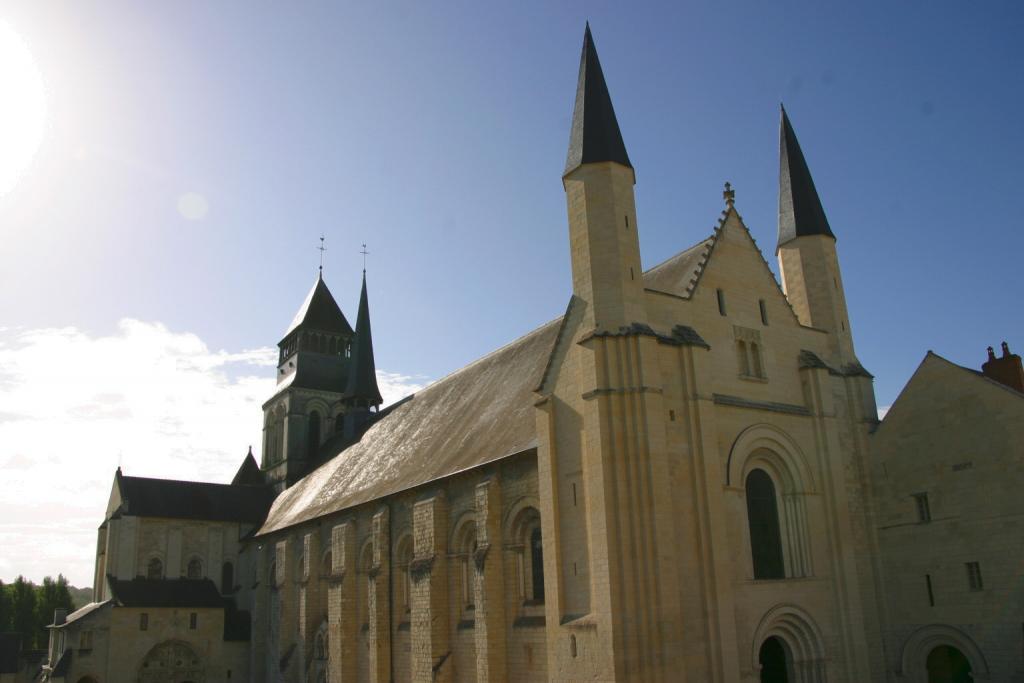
(320, 312)
(800, 210)
(362, 380)
(595, 132)
(249, 473)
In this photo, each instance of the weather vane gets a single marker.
(365, 254)
(322, 249)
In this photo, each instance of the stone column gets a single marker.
(341, 604)
(378, 599)
(428, 570)
(260, 613)
(488, 586)
(309, 592)
(287, 587)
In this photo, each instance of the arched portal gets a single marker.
(172, 662)
(946, 664)
(773, 659)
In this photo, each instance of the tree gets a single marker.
(51, 596)
(5, 608)
(23, 610)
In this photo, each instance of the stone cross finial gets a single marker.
(729, 195)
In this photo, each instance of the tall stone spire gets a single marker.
(595, 132)
(362, 388)
(800, 211)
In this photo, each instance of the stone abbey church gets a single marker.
(683, 478)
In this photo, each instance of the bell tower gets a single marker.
(312, 371)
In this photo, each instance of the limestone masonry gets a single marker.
(681, 479)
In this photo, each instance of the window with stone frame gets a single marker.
(465, 546)
(195, 568)
(749, 353)
(763, 521)
(154, 568)
(403, 584)
(227, 578)
(85, 640)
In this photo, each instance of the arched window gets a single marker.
(403, 582)
(155, 569)
(314, 433)
(763, 518)
(227, 578)
(195, 568)
(537, 565)
(464, 545)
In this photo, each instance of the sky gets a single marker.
(178, 163)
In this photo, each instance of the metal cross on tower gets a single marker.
(322, 249)
(365, 254)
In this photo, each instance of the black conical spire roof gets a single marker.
(800, 211)
(249, 473)
(320, 312)
(595, 132)
(362, 379)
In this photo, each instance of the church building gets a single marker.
(670, 482)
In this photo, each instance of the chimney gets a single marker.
(1006, 369)
(59, 616)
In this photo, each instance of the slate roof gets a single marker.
(679, 274)
(800, 210)
(595, 134)
(82, 612)
(142, 592)
(362, 379)
(479, 414)
(249, 473)
(145, 497)
(320, 312)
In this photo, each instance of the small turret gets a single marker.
(807, 251)
(598, 183)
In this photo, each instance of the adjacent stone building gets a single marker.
(673, 481)
(948, 471)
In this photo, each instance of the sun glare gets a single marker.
(23, 113)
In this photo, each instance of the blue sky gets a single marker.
(436, 133)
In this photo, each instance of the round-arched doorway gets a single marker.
(172, 662)
(946, 664)
(774, 660)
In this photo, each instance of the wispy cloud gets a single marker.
(73, 406)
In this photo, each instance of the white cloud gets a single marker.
(882, 411)
(72, 406)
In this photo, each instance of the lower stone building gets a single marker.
(948, 472)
